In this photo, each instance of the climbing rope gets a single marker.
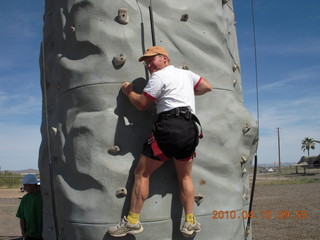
(258, 114)
(45, 103)
(152, 25)
(142, 28)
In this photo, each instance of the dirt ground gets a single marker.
(9, 224)
(286, 204)
(280, 212)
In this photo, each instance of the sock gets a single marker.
(133, 217)
(190, 218)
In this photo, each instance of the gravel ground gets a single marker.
(271, 209)
(9, 224)
(286, 203)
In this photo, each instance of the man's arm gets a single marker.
(140, 101)
(203, 87)
(23, 228)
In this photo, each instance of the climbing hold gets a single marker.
(73, 29)
(121, 192)
(198, 199)
(244, 171)
(244, 196)
(235, 82)
(246, 128)
(58, 57)
(114, 150)
(247, 231)
(119, 61)
(185, 67)
(235, 67)
(54, 131)
(123, 16)
(255, 141)
(202, 182)
(244, 159)
(184, 17)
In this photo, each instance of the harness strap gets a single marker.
(185, 112)
(155, 148)
(194, 118)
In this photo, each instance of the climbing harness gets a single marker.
(181, 112)
(157, 152)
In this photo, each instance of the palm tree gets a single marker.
(307, 143)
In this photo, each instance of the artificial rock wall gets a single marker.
(92, 136)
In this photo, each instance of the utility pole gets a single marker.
(278, 132)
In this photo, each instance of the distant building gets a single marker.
(313, 161)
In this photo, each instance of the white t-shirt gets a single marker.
(172, 87)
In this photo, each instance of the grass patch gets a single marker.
(10, 180)
(288, 175)
(288, 181)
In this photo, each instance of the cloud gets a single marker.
(296, 119)
(20, 95)
(306, 47)
(287, 112)
(305, 75)
(290, 144)
(19, 108)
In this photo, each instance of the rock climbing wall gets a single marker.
(92, 136)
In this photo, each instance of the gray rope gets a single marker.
(45, 102)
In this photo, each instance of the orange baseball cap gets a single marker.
(152, 51)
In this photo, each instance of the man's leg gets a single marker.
(146, 166)
(183, 169)
(131, 224)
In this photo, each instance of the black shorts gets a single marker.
(176, 137)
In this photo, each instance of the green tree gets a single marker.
(307, 144)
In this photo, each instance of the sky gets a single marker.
(288, 69)
(288, 62)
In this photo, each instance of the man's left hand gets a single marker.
(126, 88)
